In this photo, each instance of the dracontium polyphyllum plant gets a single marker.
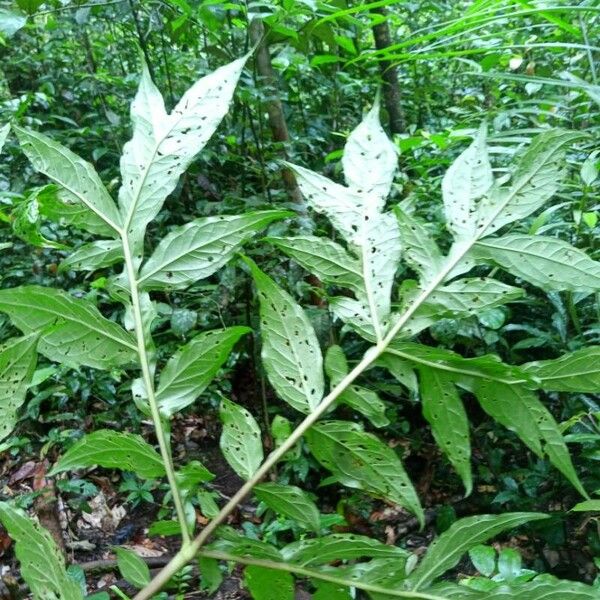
(359, 273)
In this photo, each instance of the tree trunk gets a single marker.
(277, 122)
(391, 88)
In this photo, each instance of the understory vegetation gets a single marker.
(299, 300)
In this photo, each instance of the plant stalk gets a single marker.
(314, 574)
(161, 435)
(186, 554)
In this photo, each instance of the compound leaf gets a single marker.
(163, 145)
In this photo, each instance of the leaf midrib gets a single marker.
(74, 320)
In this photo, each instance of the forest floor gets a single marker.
(88, 530)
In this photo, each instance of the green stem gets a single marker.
(161, 435)
(313, 574)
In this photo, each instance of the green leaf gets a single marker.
(42, 564)
(338, 546)
(4, 131)
(468, 179)
(464, 371)
(535, 180)
(384, 572)
(462, 535)
(518, 409)
(289, 501)
(360, 460)
(444, 411)
(421, 252)
(400, 369)
(587, 506)
(290, 349)
(200, 248)
(240, 441)
(26, 224)
(232, 542)
(164, 145)
(323, 258)
(211, 576)
(191, 475)
(112, 450)
(509, 564)
(577, 371)
(93, 256)
(191, 369)
(56, 204)
(544, 261)
(18, 358)
(11, 21)
(133, 569)
(268, 584)
(483, 559)
(74, 174)
(73, 332)
(330, 591)
(359, 398)
(544, 587)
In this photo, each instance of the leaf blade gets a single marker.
(240, 440)
(191, 369)
(71, 172)
(290, 351)
(112, 450)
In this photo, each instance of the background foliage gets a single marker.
(70, 71)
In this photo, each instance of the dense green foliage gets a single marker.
(354, 246)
